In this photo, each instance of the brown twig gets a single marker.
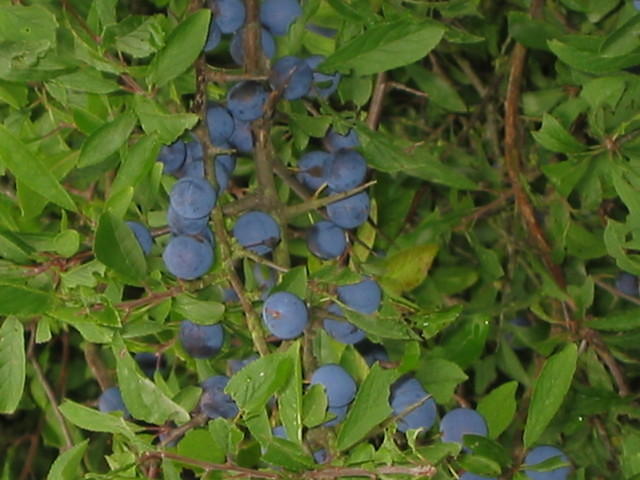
(176, 433)
(315, 203)
(375, 107)
(97, 367)
(614, 291)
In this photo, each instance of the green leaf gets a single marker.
(144, 400)
(94, 420)
(590, 61)
(290, 402)
(167, 125)
(288, 455)
(433, 323)
(314, 408)
(384, 47)
(23, 163)
(252, 386)
(106, 140)
(554, 137)
(440, 377)
(183, 46)
(439, 91)
(618, 321)
(16, 299)
(200, 445)
(87, 80)
(204, 312)
(408, 268)
(369, 409)
(136, 164)
(383, 324)
(67, 465)
(498, 408)
(12, 364)
(465, 342)
(549, 391)
(116, 246)
(294, 281)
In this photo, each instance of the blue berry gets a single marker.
(364, 296)
(180, 225)
(342, 330)
(201, 341)
(257, 231)
(246, 100)
(143, 236)
(285, 315)
(173, 156)
(265, 278)
(293, 76)
(320, 456)
(541, 454)
(473, 476)
(350, 212)
(326, 240)
(229, 15)
(338, 384)
(225, 164)
(187, 257)
(340, 414)
(193, 197)
(195, 151)
(279, 432)
(214, 402)
(405, 393)
(323, 84)
(219, 124)
(149, 362)
(627, 284)
(278, 15)
(236, 365)
(267, 43)
(111, 401)
(311, 168)
(346, 170)
(213, 37)
(462, 421)
(333, 141)
(242, 137)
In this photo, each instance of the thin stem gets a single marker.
(315, 203)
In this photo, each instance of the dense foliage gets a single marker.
(319, 239)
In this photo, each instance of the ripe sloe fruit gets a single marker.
(346, 170)
(337, 383)
(340, 414)
(201, 341)
(213, 37)
(326, 240)
(320, 456)
(323, 84)
(143, 236)
(312, 168)
(187, 257)
(350, 212)
(342, 330)
(192, 197)
(246, 100)
(267, 43)
(111, 401)
(364, 296)
(173, 156)
(278, 15)
(242, 137)
(236, 365)
(293, 76)
(627, 284)
(229, 15)
(224, 164)
(405, 393)
(473, 476)
(541, 454)
(333, 141)
(462, 421)
(149, 362)
(257, 231)
(214, 402)
(285, 315)
(185, 226)
(219, 124)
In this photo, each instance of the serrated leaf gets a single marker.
(553, 136)
(12, 364)
(369, 409)
(167, 125)
(106, 140)
(17, 299)
(116, 246)
(183, 46)
(499, 407)
(384, 47)
(144, 400)
(252, 386)
(93, 420)
(22, 163)
(408, 268)
(549, 391)
(67, 465)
